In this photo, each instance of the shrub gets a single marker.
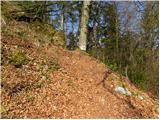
(22, 34)
(59, 39)
(138, 78)
(113, 66)
(92, 52)
(18, 59)
(53, 66)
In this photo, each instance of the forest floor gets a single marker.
(57, 83)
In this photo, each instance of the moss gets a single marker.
(3, 109)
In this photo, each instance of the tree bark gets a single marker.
(62, 18)
(95, 33)
(84, 20)
(62, 21)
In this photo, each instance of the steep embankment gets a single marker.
(42, 80)
(57, 83)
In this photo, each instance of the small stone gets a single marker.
(44, 77)
(25, 66)
(38, 67)
(128, 92)
(46, 67)
(120, 90)
(140, 97)
(16, 46)
(123, 91)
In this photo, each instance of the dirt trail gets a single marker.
(81, 88)
(101, 101)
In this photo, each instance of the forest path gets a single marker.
(97, 99)
(82, 87)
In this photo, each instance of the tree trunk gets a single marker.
(62, 19)
(79, 26)
(84, 20)
(95, 33)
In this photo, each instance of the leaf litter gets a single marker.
(57, 83)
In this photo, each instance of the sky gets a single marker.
(124, 9)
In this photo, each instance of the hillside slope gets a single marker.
(40, 79)
(57, 83)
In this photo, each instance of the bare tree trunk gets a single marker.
(117, 44)
(84, 20)
(95, 33)
(62, 19)
(62, 22)
(79, 26)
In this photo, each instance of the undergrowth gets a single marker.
(18, 59)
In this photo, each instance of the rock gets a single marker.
(44, 78)
(120, 90)
(38, 67)
(46, 67)
(35, 64)
(128, 92)
(140, 97)
(123, 91)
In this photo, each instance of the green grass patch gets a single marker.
(30, 98)
(18, 59)
(3, 109)
(53, 66)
